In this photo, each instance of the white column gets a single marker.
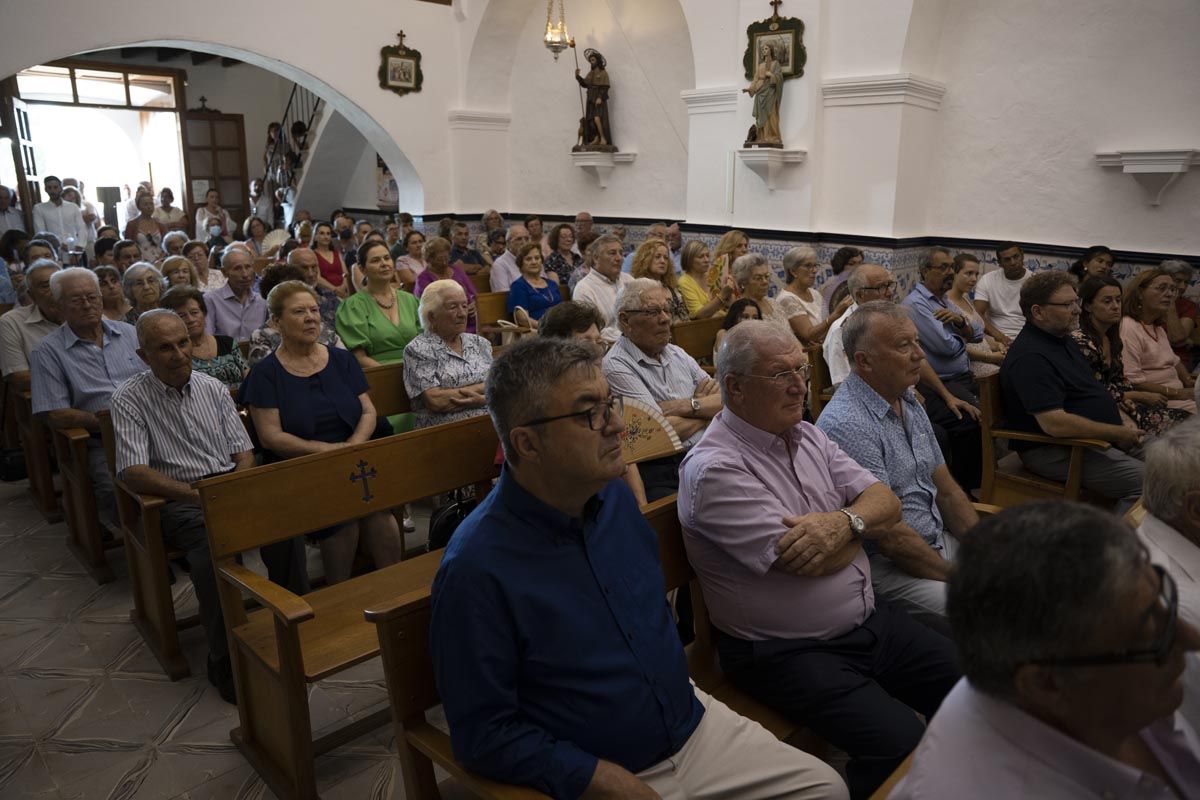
(479, 160)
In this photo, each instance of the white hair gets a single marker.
(435, 296)
(1172, 470)
(42, 263)
(174, 236)
(62, 276)
(236, 247)
(629, 296)
(136, 270)
(796, 256)
(744, 343)
(744, 265)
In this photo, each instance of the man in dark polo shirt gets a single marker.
(1049, 388)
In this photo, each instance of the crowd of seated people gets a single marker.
(848, 577)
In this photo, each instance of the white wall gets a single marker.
(1035, 90)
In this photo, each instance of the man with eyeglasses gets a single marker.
(774, 518)
(998, 294)
(868, 282)
(876, 419)
(557, 660)
(76, 369)
(1073, 648)
(643, 364)
(1049, 388)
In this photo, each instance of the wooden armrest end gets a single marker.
(73, 434)
(397, 606)
(1022, 436)
(146, 502)
(282, 603)
(435, 744)
(987, 509)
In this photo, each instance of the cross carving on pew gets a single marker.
(364, 472)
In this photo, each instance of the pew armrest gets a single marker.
(146, 502)
(436, 745)
(289, 608)
(986, 509)
(73, 434)
(1022, 436)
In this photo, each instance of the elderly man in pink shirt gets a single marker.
(774, 515)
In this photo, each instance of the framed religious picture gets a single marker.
(780, 38)
(400, 68)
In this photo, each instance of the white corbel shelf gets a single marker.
(600, 165)
(1154, 170)
(768, 162)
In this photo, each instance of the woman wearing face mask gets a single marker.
(221, 219)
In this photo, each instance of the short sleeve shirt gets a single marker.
(69, 372)
(674, 375)
(361, 323)
(1004, 301)
(430, 364)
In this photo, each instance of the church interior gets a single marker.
(998, 171)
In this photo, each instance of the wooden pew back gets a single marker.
(697, 336)
(490, 308)
(387, 391)
(820, 389)
(39, 464)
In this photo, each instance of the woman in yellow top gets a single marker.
(733, 245)
(653, 260)
(695, 260)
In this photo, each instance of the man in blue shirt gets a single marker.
(944, 331)
(75, 370)
(557, 660)
(462, 255)
(876, 419)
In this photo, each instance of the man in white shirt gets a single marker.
(63, 219)
(998, 294)
(1072, 647)
(10, 217)
(599, 287)
(504, 268)
(868, 282)
(1171, 532)
(261, 205)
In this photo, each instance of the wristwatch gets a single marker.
(857, 526)
(695, 406)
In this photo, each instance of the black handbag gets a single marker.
(446, 518)
(12, 466)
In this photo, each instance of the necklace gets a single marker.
(1151, 331)
(385, 306)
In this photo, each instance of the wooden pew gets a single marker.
(85, 530)
(294, 641)
(893, 780)
(820, 390)
(1005, 481)
(10, 439)
(386, 388)
(490, 307)
(697, 337)
(39, 465)
(482, 282)
(153, 612)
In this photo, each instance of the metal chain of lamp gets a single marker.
(557, 39)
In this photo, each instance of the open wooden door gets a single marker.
(14, 123)
(214, 157)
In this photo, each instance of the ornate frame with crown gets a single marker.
(786, 33)
(400, 68)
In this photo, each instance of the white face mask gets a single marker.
(215, 230)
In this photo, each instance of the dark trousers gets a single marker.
(660, 477)
(183, 529)
(963, 445)
(857, 691)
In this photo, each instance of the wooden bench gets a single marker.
(39, 463)
(482, 282)
(403, 627)
(820, 388)
(153, 612)
(1005, 481)
(85, 530)
(294, 641)
(697, 337)
(386, 388)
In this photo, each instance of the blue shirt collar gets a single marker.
(541, 515)
(105, 325)
(871, 400)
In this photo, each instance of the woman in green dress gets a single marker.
(376, 324)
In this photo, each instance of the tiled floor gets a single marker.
(86, 712)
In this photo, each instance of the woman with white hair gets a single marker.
(752, 276)
(445, 367)
(799, 303)
(492, 221)
(174, 242)
(143, 285)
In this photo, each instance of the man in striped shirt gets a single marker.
(173, 427)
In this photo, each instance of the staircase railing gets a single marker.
(287, 152)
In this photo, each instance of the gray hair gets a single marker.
(508, 235)
(435, 296)
(794, 257)
(607, 238)
(134, 272)
(742, 346)
(292, 259)
(1172, 470)
(520, 384)
(857, 326)
(927, 259)
(174, 236)
(858, 280)
(42, 263)
(63, 275)
(743, 265)
(1035, 582)
(629, 296)
(236, 247)
(488, 213)
(147, 318)
(1173, 267)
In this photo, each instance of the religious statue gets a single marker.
(595, 131)
(767, 90)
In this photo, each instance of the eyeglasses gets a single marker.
(1076, 303)
(1163, 288)
(83, 300)
(598, 416)
(883, 287)
(1156, 653)
(652, 312)
(787, 376)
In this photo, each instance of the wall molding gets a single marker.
(873, 90)
(710, 100)
(1154, 170)
(462, 119)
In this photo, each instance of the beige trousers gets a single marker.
(729, 757)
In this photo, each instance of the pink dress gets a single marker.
(1149, 358)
